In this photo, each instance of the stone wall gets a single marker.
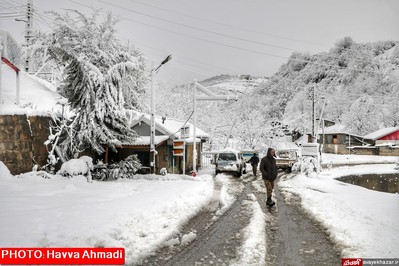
(22, 141)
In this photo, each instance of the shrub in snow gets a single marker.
(123, 169)
(308, 165)
(296, 167)
(74, 167)
(129, 166)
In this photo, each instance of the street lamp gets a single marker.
(152, 133)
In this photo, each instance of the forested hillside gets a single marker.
(358, 82)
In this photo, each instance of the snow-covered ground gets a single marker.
(137, 214)
(141, 214)
(362, 222)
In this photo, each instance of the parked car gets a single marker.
(286, 159)
(230, 162)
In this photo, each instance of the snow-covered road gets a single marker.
(146, 213)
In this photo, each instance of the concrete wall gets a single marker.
(22, 141)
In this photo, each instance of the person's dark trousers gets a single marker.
(254, 169)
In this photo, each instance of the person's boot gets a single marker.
(269, 202)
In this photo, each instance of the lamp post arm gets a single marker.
(167, 59)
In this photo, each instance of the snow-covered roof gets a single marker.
(170, 126)
(37, 97)
(145, 140)
(286, 145)
(337, 129)
(381, 133)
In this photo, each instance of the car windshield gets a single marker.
(227, 156)
(284, 154)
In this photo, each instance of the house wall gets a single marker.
(340, 139)
(392, 136)
(335, 148)
(22, 141)
(164, 158)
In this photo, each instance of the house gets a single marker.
(26, 104)
(384, 136)
(337, 139)
(167, 132)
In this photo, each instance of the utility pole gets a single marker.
(152, 120)
(313, 112)
(153, 151)
(28, 29)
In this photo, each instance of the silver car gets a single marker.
(230, 162)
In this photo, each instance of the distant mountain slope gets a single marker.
(232, 83)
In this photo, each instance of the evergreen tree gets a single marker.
(101, 79)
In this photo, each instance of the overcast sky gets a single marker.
(212, 37)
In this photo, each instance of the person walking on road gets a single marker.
(268, 167)
(254, 160)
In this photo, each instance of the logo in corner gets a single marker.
(350, 262)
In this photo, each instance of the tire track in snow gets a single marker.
(215, 235)
(294, 238)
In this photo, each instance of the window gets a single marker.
(227, 157)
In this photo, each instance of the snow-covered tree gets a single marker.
(101, 78)
(87, 38)
(363, 117)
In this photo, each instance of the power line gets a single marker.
(232, 46)
(12, 16)
(43, 14)
(185, 68)
(10, 13)
(221, 34)
(44, 20)
(202, 29)
(192, 37)
(228, 25)
(240, 48)
(10, 6)
(186, 58)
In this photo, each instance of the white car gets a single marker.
(286, 159)
(230, 162)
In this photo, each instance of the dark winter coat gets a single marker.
(268, 166)
(254, 160)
